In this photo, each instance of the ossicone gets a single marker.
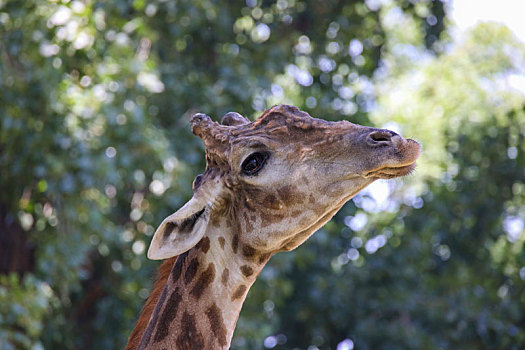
(211, 133)
(233, 118)
(200, 123)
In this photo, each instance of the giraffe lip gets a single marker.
(392, 171)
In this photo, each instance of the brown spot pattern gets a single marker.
(239, 292)
(270, 201)
(224, 277)
(204, 245)
(263, 258)
(177, 268)
(189, 337)
(271, 217)
(288, 195)
(235, 243)
(222, 241)
(193, 266)
(168, 315)
(217, 324)
(246, 270)
(204, 281)
(215, 221)
(248, 251)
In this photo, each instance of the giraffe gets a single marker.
(267, 187)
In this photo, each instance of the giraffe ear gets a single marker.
(180, 231)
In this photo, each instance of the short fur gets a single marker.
(162, 277)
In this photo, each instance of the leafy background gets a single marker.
(95, 150)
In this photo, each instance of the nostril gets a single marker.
(381, 136)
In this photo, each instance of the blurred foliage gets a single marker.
(95, 151)
(24, 303)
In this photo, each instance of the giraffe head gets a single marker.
(276, 180)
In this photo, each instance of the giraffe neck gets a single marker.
(202, 299)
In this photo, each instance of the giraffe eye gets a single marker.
(254, 163)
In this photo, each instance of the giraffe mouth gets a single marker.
(407, 152)
(392, 172)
